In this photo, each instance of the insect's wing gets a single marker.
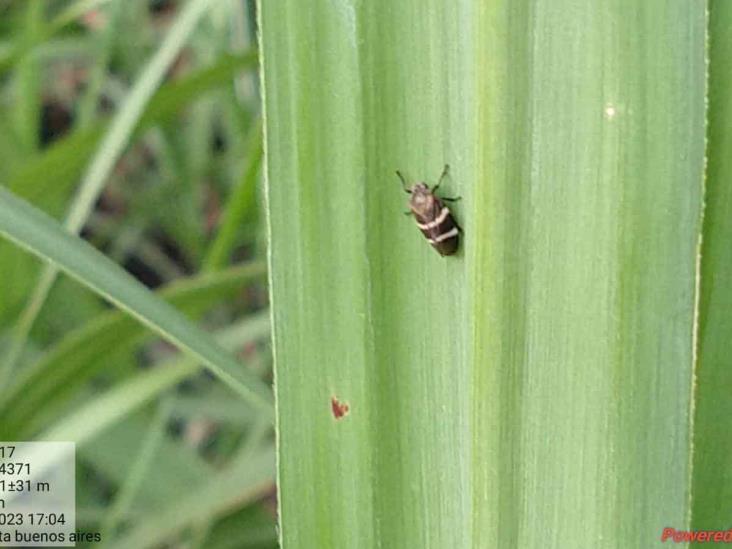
(443, 235)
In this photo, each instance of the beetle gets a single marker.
(433, 218)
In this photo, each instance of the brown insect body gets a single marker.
(433, 218)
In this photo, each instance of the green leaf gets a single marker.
(183, 467)
(27, 111)
(44, 237)
(44, 386)
(250, 529)
(114, 405)
(117, 403)
(126, 119)
(174, 95)
(108, 152)
(242, 481)
(239, 206)
(535, 389)
(712, 481)
(24, 47)
(143, 465)
(218, 407)
(67, 158)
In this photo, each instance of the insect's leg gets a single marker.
(439, 181)
(451, 199)
(404, 183)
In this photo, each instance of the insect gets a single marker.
(433, 218)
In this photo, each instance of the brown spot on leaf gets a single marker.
(340, 409)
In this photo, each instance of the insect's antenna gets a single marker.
(445, 171)
(404, 183)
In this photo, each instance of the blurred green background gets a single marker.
(136, 123)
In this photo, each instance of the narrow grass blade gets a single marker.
(67, 16)
(66, 159)
(103, 49)
(118, 135)
(27, 111)
(240, 482)
(184, 467)
(116, 404)
(110, 149)
(238, 206)
(142, 465)
(42, 236)
(65, 369)
(712, 480)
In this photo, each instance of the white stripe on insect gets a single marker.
(432, 224)
(444, 236)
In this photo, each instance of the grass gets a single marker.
(40, 235)
(560, 382)
(711, 488)
(150, 147)
(536, 389)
